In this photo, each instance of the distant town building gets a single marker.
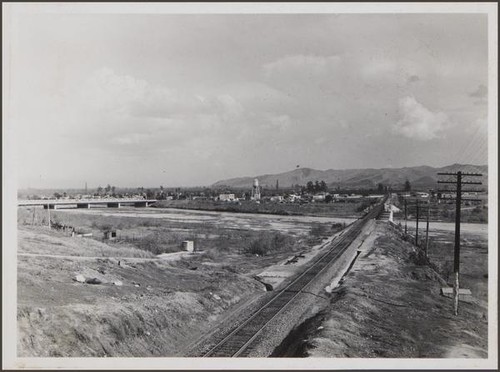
(294, 197)
(227, 197)
(422, 194)
(255, 190)
(319, 197)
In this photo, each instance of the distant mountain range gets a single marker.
(419, 177)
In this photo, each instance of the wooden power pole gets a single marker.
(416, 232)
(427, 230)
(456, 259)
(48, 213)
(406, 219)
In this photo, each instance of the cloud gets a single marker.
(480, 92)
(308, 64)
(418, 122)
(281, 122)
(413, 79)
(130, 139)
(106, 90)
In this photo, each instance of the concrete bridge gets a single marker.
(85, 203)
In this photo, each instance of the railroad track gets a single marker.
(238, 343)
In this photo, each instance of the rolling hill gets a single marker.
(422, 177)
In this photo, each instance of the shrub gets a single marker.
(269, 243)
(260, 246)
(319, 230)
(418, 257)
(157, 243)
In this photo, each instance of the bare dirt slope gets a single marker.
(389, 306)
(142, 307)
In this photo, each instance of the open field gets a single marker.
(351, 209)
(163, 230)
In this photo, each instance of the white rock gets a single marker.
(118, 283)
(216, 297)
(80, 278)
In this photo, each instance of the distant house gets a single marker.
(375, 196)
(319, 197)
(200, 198)
(227, 197)
(354, 196)
(294, 197)
(276, 198)
(422, 194)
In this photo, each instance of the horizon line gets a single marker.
(238, 177)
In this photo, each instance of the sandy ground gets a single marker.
(388, 306)
(220, 219)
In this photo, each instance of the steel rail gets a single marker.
(323, 262)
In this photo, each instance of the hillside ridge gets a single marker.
(418, 176)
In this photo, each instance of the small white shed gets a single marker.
(188, 246)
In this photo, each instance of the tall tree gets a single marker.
(317, 187)
(407, 185)
(323, 186)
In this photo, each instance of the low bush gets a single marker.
(157, 243)
(269, 243)
(418, 257)
(319, 230)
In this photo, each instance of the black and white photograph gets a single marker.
(250, 185)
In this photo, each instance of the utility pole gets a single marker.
(427, 230)
(48, 213)
(416, 232)
(406, 219)
(456, 259)
(33, 221)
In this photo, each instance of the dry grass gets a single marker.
(43, 241)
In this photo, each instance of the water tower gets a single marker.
(255, 190)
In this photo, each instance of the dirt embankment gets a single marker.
(389, 306)
(140, 307)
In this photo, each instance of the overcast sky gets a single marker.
(183, 100)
